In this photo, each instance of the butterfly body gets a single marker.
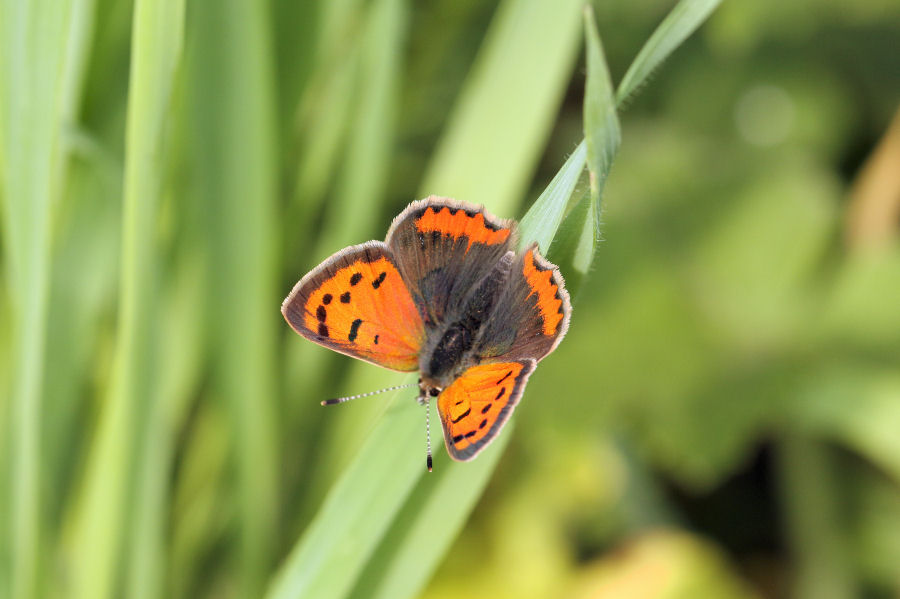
(455, 346)
(446, 294)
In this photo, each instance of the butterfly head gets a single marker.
(428, 389)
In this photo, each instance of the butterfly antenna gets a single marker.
(335, 400)
(428, 435)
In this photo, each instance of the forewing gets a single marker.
(531, 315)
(357, 303)
(476, 405)
(443, 249)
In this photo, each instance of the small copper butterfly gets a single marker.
(445, 294)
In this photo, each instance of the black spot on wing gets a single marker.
(321, 314)
(377, 282)
(326, 299)
(354, 329)
(461, 416)
(356, 278)
(345, 297)
(323, 330)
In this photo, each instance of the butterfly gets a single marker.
(446, 294)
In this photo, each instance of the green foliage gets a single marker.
(33, 42)
(168, 170)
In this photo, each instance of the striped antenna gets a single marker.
(329, 402)
(428, 435)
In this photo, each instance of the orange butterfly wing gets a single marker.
(357, 303)
(476, 405)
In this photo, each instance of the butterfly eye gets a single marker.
(434, 392)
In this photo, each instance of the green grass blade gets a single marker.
(69, 314)
(542, 220)
(156, 54)
(427, 524)
(365, 168)
(602, 131)
(179, 370)
(583, 245)
(81, 32)
(601, 123)
(326, 104)
(680, 23)
(327, 108)
(495, 133)
(232, 106)
(356, 205)
(601, 134)
(33, 38)
(359, 508)
(121, 446)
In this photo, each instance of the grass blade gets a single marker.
(33, 39)
(680, 23)
(128, 412)
(326, 104)
(365, 168)
(158, 37)
(427, 524)
(358, 510)
(355, 206)
(495, 133)
(542, 220)
(601, 135)
(232, 106)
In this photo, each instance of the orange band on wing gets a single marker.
(541, 283)
(457, 223)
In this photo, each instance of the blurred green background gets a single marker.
(722, 420)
